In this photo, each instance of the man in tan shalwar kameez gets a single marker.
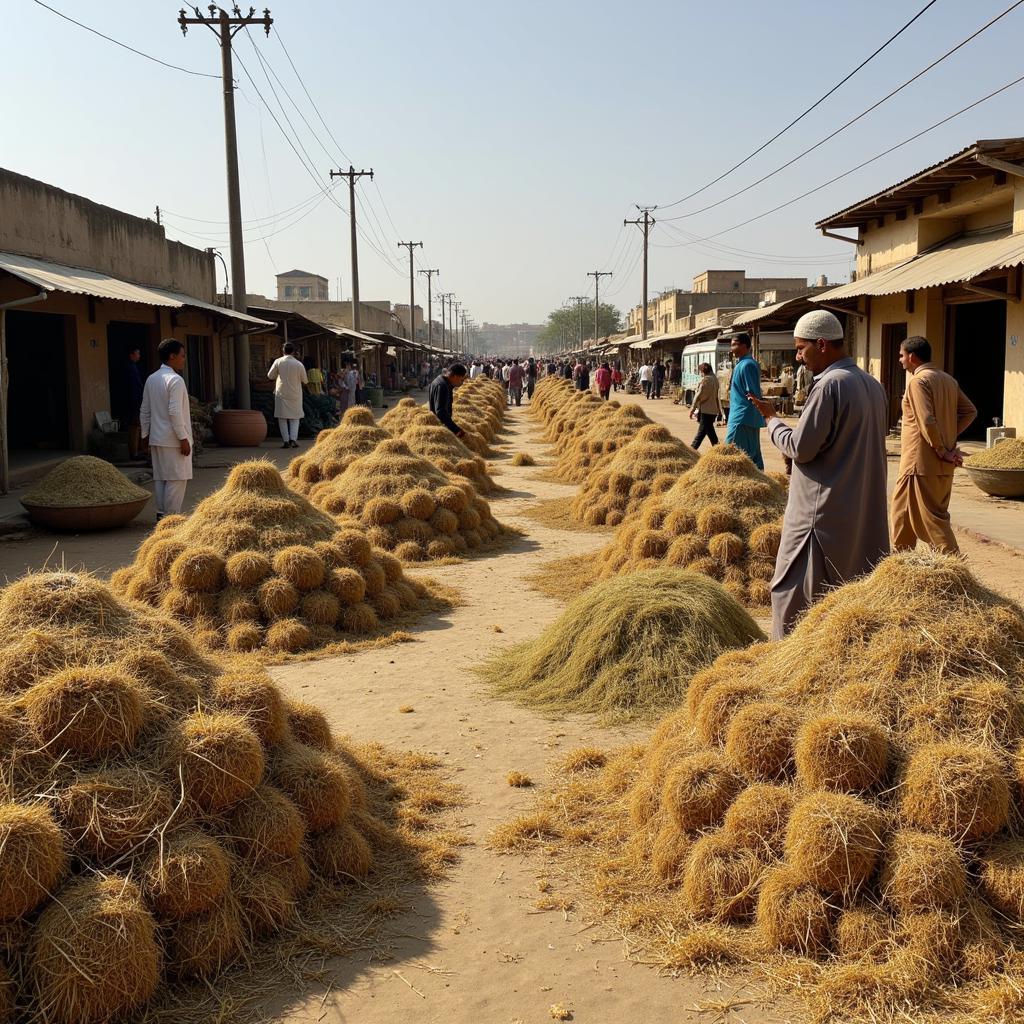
(935, 413)
(835, 526)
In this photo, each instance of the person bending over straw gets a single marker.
(836, 525)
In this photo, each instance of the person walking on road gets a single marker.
(516, 376)
(603, 380)
(745, 418)
(166, 421)
(835, 525)
(935, 413)
(581, 376)
(288, 375)
(531, 378)
(645, 378)
(657, 378)
(706, 407)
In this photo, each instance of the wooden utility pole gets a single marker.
(645, 223)
(353, 176)
(444, 297)
(430, 309)
(579, 300)
(226, 27)
(596, 275)
(412, 287)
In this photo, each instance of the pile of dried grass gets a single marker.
(649, 464)
(83, 481)
(406, 505)
(438, 445)
(575, 416)
(628, 646)
(479, 408)
(849, 796)
(335, 450)
(723, 518)
(409, 413)
(549, 395)
(591, 448)
(1005, 454)
(161, 814)
(256, 566)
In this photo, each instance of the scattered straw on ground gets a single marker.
(83, 481)
(839, 809)
(163, 817)
(257, 567)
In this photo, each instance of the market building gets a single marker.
(940, 254)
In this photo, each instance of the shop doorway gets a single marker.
(37, 393)
(979, 359)
(122, 340)
(894, 377)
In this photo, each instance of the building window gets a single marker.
(287, 291)
(304, 293)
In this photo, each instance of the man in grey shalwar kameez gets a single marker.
(836, 525)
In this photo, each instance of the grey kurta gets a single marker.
(836, 525)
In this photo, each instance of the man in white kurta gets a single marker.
(836, 525)
(289, 375)
(166, 420)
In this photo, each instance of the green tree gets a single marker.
(562, 330)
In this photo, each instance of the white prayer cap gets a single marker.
(819, 323)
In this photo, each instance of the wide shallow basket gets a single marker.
(1000, 483)
(86, 517)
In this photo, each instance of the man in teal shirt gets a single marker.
(745, 422)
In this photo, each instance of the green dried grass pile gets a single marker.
(335, 450)
(83, 481)
(1005, 454)
(843, 807)
(628, 646)
(161, 814)
(257, 567)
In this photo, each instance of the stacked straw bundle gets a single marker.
(83, 481)
(335, 449)
(628, 646)
(722, 519)
(550, 394)
(406, 505)
(572, 416)
(257, 566)
(649, 464)
(850, 795)
(408, 413)
(591, 449)
(479, 406)
(158, 814)
(439, 446)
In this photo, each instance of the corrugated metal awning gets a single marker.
(953, 263)
(57, 277)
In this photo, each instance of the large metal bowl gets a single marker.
(1000, 483)
(85, 517)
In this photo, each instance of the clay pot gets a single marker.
(240, 428)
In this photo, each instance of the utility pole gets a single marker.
(444, 297)
(458, 306)
(353, 176)
(158, 215)
(645, 223)
(226, 27)
(412, 287)
(430, 309)
(596, 275)
(579, 300)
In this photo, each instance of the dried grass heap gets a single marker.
(589, 450)
(408, 506)
(335, 450)
(81, 481)
(1005, 454)
(438, 445)
(159, 814)
(256, 566)
(628, 646)
(850, 795)
(649, 464)
(723, 518)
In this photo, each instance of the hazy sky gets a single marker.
(512, 139)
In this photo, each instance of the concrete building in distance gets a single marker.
(941, 254)
(375, 315)
(81, 286)
(302, 286)
(509, 339)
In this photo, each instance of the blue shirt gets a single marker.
(746, 378)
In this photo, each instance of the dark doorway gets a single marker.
(979, 359)
(197, 348)
(894, 377)
(37, 395)
(122, 340)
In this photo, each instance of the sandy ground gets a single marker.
(475, 948)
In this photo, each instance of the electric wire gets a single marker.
(817, 103)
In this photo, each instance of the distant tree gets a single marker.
(562, 330)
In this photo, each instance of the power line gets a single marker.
(817, 103)
(853, 120)
(884, 153)
(124, 46)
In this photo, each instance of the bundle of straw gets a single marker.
(335, 450)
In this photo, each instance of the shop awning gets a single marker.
(57, 277)
(954, 263)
